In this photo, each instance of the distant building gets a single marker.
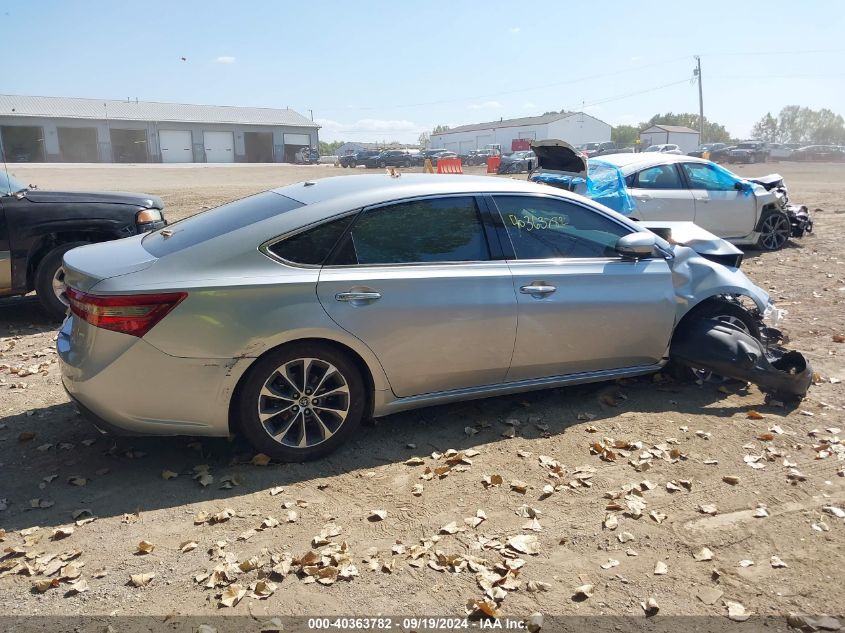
(679, 135)
(353, 147)
(573, 127)
(64, 129)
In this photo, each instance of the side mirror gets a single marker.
(638, 245)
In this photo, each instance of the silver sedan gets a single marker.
(291, 315)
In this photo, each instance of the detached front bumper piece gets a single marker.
(799, 219)
(730, 352)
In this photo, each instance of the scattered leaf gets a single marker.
(733, 480)
(79, 586)
(777, 562)
(583, 592)
(736, 611)
(145, 547)
(187, 546)
(660, 568)
(524, 544)
(650, 607)
(61, 532)
(703, 554)
(168, 474)
(259, 460)
(233, 593)
(754, 415)
(377, 515)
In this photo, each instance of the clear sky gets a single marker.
(381, 71)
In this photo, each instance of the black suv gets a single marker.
(749, 152)
(358, 158)
(38, 227)
(390, 158)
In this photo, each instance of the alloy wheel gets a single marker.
(59, 285)
(304, 402)
(775, 232)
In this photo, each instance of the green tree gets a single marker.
(766, 129)
(439, 128)
(624, 134)
(424, 140)
(713, 132)
(796, 124)
(327, 149)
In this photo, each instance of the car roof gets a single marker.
(629, 163)
(352, 191)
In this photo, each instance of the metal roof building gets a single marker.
(65, 129)
(680, 135)
(574, 127)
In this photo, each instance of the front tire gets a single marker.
(50, 281)
(301, 402)
(775, 229)
(726, 312)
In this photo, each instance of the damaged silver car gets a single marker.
(291, 315)
(654, 187)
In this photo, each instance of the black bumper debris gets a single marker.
(730, 352)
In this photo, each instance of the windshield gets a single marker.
(521, 155)
(9, 184)
(653, 148)
(589, 146)
(746, 146)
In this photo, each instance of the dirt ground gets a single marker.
(47, 449)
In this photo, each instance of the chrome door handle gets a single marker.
(357, 296)
(643, 196)
(541, 290)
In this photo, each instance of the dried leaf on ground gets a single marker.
(451, 528)
(263, 589)
(377, 515)
(79, 586)
(76, 480)
(733, 480)
(661, 568)
(611, 562)
(650, 607)
(168, 474)
(658, 517)
(704, 554)
(519, 486)
(492, 480)
(754, 415)
(145, 547)
(777, 562)
(478, 608)
(187, 546)
(61, 532)
(736, 611)
(260, 460)
(583, 592)
(414, 461)
(233, 594)
(524, 544)
(276, 490)
(141, 580)
(708, 508)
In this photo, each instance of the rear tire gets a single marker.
(301, 402)
(49, 281)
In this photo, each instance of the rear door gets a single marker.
(720, 207)
(417, 282)
(660, 193)
(582, 308)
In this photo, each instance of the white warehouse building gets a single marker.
(573, 127)
(685, 138)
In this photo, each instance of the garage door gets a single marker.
(297, 139)
(219, 147)
(466, 146)
(175, 146)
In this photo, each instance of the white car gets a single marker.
(683, 188)
(665, 148)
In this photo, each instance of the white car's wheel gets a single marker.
(775, 230)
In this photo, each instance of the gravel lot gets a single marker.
(46, 448)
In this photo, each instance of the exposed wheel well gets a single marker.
(51, 240)
(340, 347)
(742, 301)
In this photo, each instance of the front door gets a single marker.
(582, 307)
(720, 207)
(415, 282)
(659, 193)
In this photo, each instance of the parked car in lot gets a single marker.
(667, 187)
(357, 158)
(717, 152)
(780, 151)
(38, 227)
(291, 315)
(664, 148)
(390, 158)
(431, 154)
(749, 152)
(479, 156)
(826, 153)
(589, 149)
(517, 163)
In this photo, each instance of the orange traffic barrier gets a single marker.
(493, 163)
(427, 168)
(449, 166)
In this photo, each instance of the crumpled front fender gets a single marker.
(696, 279)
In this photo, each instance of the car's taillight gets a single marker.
(129, 314)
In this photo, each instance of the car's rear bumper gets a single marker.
(124, 384)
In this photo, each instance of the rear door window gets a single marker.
(447, 229)
(215, 222)
(658, 177)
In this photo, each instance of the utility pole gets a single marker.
(312, 114)
(697, 73)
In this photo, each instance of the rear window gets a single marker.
(215, 222)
